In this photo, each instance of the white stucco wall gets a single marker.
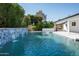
(69, 21)
(65, 28)
(74, 28)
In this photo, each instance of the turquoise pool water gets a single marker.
(37, 44)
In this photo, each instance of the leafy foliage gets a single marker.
(48, 24)
(36, 22)
(11, 15)
(31, 20)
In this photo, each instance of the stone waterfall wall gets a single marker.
(9, 34)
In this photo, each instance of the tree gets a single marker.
(11, 15)
(47, 24)
(38, 26)
(26, 21)
(31, 20)
(38, 19)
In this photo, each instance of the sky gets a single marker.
(54, 11)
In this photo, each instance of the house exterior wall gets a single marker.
(65, 28)
(67, 24)
(63, 24)
(69, 27)
(74, 28)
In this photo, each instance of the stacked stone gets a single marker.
(9, 34)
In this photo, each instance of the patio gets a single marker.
(70, 35)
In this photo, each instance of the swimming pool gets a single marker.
(37, 44)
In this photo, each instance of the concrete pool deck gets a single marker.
(70, 35)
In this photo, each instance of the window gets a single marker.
(73, 23)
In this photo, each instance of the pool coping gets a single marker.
(70, 35)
